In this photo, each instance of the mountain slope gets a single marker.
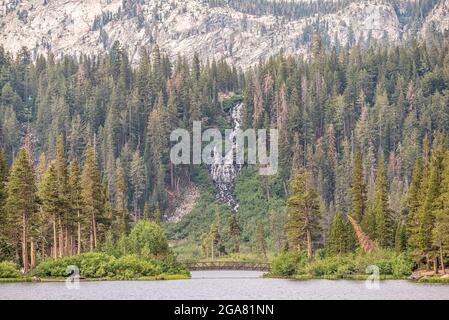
(239, 31)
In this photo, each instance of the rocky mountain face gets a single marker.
(240, 31)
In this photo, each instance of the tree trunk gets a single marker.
(94, 229)
(443, 271)
(79, 235)
(91, 238)
(55, 240)
(33, 254)
(427, 262)
(25, 242)
(309, 244)
(66, 242)
(435, 265)
(61, 238)
(70, 244)
(17, 251)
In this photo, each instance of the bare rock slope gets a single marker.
(213, 28)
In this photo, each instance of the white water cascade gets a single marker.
(224, 170)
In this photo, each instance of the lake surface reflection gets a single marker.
(225, 285)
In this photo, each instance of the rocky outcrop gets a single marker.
(183, 27)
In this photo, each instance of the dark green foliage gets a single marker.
(261, 244)
(4, 251)
(366, 98)
(339, 241)
(286, 264)
(302, 227)
(3, 178)
(9, 270)
(21, 204)
(400, 237)
(412, 207)
(100, 265)
(383, 225)
(144, 253)
(235, 231)
(440, 233)
(147, 238)
(344, 266)
(358, 190)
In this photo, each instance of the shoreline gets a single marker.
(362, 277)
(161, 277)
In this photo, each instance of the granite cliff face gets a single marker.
(213, 28)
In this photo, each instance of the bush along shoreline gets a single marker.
(356, 266)
(142, 255)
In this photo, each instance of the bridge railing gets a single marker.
(227, 265)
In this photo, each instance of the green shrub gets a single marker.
(9, 270)
(344, 266)
(402, 266)
(96, 265)
(100, 265)
(323, 267)
(56, 267)
(132, 267)
(91, 265)
(385, 267)
(147, 239)
(286, 264)
(171, 266)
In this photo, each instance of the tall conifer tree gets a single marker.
(21, 202)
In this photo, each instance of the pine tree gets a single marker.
(51, 204)
(137, 181)
(440, 233)
(400, 237)
(303, 214)
(368, 223)
(121, 200)
(428, 209)
(381, 210)
(3, 195)
(157, 214)
(277, 222)
(3, 179)
(358, 190)
(92, 196)
(76, 204)
(146, 212)
(65, 219)
(215, 235)
(235, 232)
(414, 200)
(261, 244)
(338, 236)
(21, 202)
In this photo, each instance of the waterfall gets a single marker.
(224, 170)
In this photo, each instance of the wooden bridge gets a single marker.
(228, 265)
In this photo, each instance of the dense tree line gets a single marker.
(86, 143)
(356, 121)
(125, 114)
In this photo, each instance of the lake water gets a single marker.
(225, 285)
